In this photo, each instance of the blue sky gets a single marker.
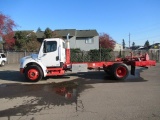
(118, 18)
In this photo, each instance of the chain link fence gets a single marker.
(90, 56)
(106, 55)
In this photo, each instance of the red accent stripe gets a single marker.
(144, 63)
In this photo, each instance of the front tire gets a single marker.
(33, 73)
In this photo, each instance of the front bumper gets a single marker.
(21, 70)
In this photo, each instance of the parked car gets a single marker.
(3, 59)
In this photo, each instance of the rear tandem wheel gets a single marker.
(118, 70)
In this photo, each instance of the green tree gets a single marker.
(123, 43)
(146, 45)
(26, 40)
(48, 33)
(20, 40)
(32, 44)
(133, 44)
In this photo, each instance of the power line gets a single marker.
(148, 28)
(145, 30)
(156, 36)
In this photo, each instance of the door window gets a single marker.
(50, 46)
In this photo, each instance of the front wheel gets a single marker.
(33, 73)
(120, 71)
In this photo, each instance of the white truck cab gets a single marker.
(52, 52)
(50, 58)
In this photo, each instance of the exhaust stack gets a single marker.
(68, 55)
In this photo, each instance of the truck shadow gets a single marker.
(89, 77)
(101, 77)
(11, 75)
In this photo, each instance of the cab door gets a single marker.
(50, 56)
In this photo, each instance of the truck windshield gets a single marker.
(50, 46)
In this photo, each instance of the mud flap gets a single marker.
(133, 70)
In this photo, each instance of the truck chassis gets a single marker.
(54, 59)
(118, 69)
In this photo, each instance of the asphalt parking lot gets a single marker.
(84, 96)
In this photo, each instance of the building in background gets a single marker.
(83, 39)
(118, 47)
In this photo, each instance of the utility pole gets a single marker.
(129, 40)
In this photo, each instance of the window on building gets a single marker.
(89, 40)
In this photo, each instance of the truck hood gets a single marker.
(34, 56)
(31, 57)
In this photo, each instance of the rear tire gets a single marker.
(120, 71)
(33, 73)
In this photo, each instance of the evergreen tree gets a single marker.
(133, 44)
(48, 33)
(39, 29)
(146, 45)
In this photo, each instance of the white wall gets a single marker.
(118, 47)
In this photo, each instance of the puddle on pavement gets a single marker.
(45, 95)
(66, 90)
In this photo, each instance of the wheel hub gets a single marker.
(121, 71)
(33, 74)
